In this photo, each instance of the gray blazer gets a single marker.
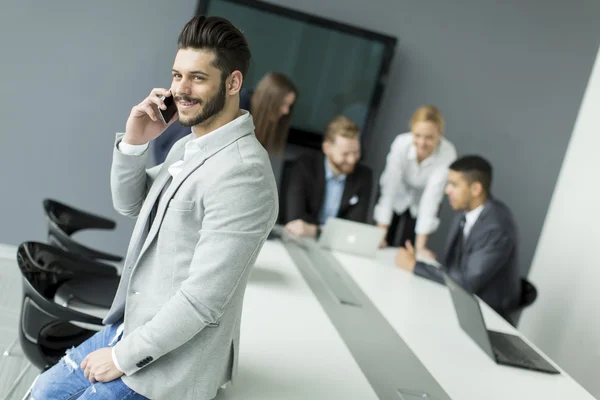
(185, 274)
(489, 265)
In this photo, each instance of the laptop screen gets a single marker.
(351, 237)
(469, 315)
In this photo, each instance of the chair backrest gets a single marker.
(71, 219)
(528, 293)
(46, 330)
(64, 220)
(527, 297)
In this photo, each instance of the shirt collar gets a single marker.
(195, 145)
(412, 153)
(329, 172)
(471, 216)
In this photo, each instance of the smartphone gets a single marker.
(171, 109)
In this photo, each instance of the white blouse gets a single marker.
(408, 185)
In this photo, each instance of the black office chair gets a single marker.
(528, 296)
(529, 293)
(64, 220)
(48, 329)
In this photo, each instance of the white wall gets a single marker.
(565, 320)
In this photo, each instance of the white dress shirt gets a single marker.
(407, 184)
(470, 219)
(192, 148)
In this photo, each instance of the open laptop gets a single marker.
(504, 349)
(351, 237)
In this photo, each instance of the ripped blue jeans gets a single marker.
(65, 380)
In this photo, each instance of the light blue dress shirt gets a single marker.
(334, 189)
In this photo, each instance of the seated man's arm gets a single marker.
(480, 265)
(239, 211)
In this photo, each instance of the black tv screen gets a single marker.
(337, 68)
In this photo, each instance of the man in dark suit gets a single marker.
(481, 251)
(329, 184)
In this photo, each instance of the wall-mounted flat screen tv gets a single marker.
(337, 68)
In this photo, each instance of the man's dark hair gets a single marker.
(219, 35)
(475, 169)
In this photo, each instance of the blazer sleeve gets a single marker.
(239, 211)
(483, 263)
(429, 271)
(296, 194)
(130, 180)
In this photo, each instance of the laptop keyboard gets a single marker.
(509, 351)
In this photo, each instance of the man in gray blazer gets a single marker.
(481, 250)
(202, 218)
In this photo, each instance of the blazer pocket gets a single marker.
(181, 205)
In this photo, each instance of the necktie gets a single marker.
(459, 242)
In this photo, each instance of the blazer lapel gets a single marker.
(190, 167)
(453, 232)
(138, 237)
(479, 224)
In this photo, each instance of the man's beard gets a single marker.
(211, 108)
(344, 168)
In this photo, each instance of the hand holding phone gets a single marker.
(145, 123)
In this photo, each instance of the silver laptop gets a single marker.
(351, 237)
(503, 348)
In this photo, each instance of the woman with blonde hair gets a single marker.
(271, 105)
(413, 181)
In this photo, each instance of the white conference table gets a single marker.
(290, 349)
(422, 313)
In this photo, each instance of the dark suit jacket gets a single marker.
(305, 191)
(489, 266)
(162, 144)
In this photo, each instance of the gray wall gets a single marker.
(509, 77)
(70, 73)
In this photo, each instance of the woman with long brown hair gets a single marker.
(271, 107)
